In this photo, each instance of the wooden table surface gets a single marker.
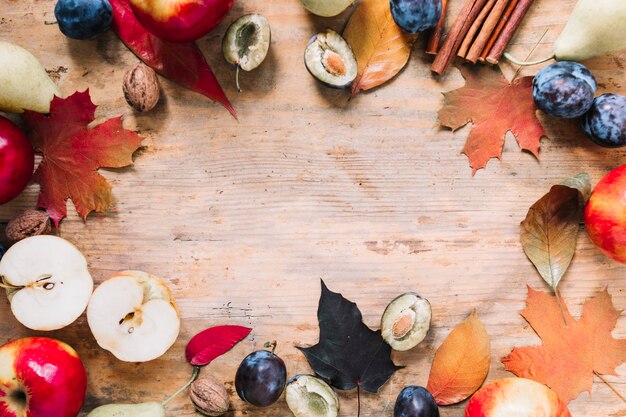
(244, 218)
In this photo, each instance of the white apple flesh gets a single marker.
(47, 282)
(134, 316)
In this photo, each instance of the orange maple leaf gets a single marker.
(495, 107)
(570, 354)
(73, 152)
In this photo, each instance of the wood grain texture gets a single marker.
(243, 218)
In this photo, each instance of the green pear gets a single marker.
(595, 28)
(150, 409)
(326, 8)
(24, 83)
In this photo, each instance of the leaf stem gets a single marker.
(358, 400)
(558, 302)
(621, 397)
(194, 376)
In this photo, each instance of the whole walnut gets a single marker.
(209, 396)
(29, 223)
(141, 87)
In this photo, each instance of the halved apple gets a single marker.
(134, 316)
(47, 282)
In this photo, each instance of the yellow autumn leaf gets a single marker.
(461, 363)
(380, 46)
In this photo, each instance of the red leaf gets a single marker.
(495, 107)
(73, 152)
(181, 62)
(213, 342)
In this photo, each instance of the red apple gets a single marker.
(41, 377)
(517, 397)
(605, 215)
(180, 20)
(17, 160)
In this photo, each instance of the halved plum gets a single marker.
(406, 321)
(330, 59)
(246, 42)
(309, 396)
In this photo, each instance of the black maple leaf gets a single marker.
(349, 354)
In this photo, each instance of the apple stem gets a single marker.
(194, 376)
(621, 397)
(237, 79)
(5, 285)
(39, 283)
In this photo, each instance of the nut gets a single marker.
(209, 396)
(29, 223)
(141, 87)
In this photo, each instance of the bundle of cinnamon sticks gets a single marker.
(480, 33)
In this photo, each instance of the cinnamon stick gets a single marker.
(496, 32)
(476, 25)
(435, 35)
(453, 40)
(488, 27)
(509, 30)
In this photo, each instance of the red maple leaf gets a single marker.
(495, 107)
(73, 152)
(571, 353)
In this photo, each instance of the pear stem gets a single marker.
(194, 376)
(237, 79)
(358, 400)
(529, 63)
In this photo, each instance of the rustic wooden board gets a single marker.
(244, 218)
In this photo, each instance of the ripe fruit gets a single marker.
(180, 20)
(47, 280)
(517, 397)
(415, 401)
(134, 316)
(416, 15)
(309, 396)
(149, 409)
(406, 321)
(83, 19)
(564, 89)
(326, 8)
(605, 122)
(605, 215)
(247, 42)
(41, 377)
(329, 59)
(17, 160)
(261, 378)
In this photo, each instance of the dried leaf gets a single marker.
(581, 182)
(73, 152)
(549, 232)
(213, 342)
(461, 363)
(349, 354)
(495, 107)
(180, 62)
(382, 49)
(571, 353)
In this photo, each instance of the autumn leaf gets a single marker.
(180, 62)
(73, 152)
(349, 354)
(495, 107)
(571, 353)
(213, 342)
(380, 46)
(461, 363)
(549, 232)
